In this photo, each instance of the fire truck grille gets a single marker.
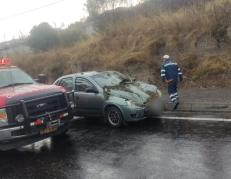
(37, 107)
(46, 105)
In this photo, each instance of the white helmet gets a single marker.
(166, 57)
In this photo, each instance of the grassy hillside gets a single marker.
(132, 40)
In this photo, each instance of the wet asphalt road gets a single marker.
(149, 149)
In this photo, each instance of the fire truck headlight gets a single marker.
(3, 117)
(19, 118)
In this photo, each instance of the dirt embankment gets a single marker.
(197, 36)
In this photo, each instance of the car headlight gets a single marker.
(130, 103)
(159, 93)
(20, 118)
(3, 117)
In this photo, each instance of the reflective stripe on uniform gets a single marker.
(169, 64)
(173, 95)
(173, 99)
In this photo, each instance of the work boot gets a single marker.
(176, 104)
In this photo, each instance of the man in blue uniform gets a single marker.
(171, 74)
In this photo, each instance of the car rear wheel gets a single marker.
(114, 117)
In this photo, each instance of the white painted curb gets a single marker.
(196, 119)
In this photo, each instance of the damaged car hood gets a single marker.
(138, 92)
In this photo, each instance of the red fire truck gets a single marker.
(29, 111)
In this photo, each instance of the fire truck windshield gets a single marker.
(14, 76)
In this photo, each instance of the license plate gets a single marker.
(53, 123)
(48, 130)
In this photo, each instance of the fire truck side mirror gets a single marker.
(42, 78)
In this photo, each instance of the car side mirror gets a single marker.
(91, 90)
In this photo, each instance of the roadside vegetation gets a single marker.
(197, 33)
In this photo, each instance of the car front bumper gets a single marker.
(135, 113)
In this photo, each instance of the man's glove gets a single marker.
(168, 81)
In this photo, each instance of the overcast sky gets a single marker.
(19, 16)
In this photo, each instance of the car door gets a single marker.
(68, 84)
(89, 102)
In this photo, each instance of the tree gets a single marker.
(42, 37)
(75, 32)
(95, 7)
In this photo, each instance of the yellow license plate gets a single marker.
(48, 130)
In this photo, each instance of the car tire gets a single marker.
(114, 117)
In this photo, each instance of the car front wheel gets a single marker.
(114, 117)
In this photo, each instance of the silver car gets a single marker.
(113, 96)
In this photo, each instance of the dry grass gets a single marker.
(213, 66)
(135, 45)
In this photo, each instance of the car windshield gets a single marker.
(13, 77)
(110, 78)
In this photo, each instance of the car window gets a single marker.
(67, 83)
(82, 84)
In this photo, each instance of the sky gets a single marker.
(17, 17)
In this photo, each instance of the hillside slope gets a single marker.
(197, 36)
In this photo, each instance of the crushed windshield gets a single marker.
(14, 76)
(110, 78)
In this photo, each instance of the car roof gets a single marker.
(88, 73)
(82, 74)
